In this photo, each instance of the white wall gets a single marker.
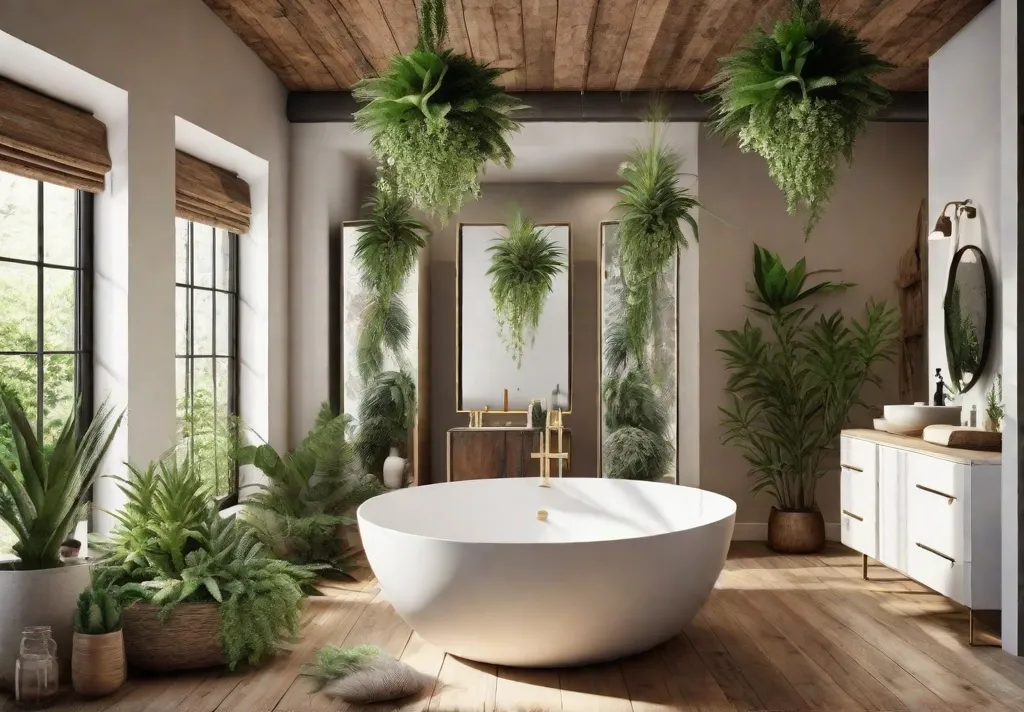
(163, 73)
(972, 151)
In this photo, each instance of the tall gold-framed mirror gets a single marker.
(484, 368)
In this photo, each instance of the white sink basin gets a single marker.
(917, 417)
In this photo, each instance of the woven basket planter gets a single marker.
(189, 639)
(97, 664)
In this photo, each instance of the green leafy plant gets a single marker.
(171, 545)
(963, 345)
(523, 268)
(309, 494)
(332, 662)
(42, 497)
(437, 117)
(387, 414)
(636, 454)
(631, 401)
(776, 287)
(994, 403)
(98, 612)
(386, 252)
(799, 96)
(790, 391)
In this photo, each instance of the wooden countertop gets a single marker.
(903, 442)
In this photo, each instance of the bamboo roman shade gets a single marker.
(45, 139)
(210, 195)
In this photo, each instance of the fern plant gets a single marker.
(332, 662)
(309, 494)
(437, 118)
(636, 454)
(98, 612)
(523, 268)
(791, 390)
(387, 414)
(385, 253)
(799, 96)
(171, 546)
(43, 496)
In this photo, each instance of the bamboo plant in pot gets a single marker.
(791, 391)
(98, 666)
(42, 496)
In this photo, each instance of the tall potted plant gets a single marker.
(791, 391)
(42, 497)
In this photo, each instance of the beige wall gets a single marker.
(582, 205)
(866, 227)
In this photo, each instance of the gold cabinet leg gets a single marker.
(864, 567)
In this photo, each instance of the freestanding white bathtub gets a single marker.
(618, 567)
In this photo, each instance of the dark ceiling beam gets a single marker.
(310, 107)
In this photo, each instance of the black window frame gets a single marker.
(83, 270)
(232, 293)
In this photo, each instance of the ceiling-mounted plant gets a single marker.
(799, 96)
(437, 118)
(386, 252)
(654, 208)
(523, 269)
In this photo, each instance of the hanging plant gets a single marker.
(654, 206)
(386, 252)
(437, 118)
(798, 97)
(523, 269)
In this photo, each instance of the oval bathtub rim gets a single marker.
(730, 515)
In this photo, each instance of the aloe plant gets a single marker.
(98, 612)
(42, 497)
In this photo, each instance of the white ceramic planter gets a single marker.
(394, 470)
(46, 597)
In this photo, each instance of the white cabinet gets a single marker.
(929, 512)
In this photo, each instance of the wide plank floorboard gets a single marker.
(780, 633)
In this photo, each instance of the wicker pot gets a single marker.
(796, 532)
(189, 639)
(97, 664)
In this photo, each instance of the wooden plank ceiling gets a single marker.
(589, 45)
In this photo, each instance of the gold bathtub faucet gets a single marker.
(553, 424)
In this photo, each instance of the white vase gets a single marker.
(44, 597)
(394, 469)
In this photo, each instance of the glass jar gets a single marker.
(36, 676)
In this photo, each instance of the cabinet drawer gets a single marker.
(936, 519)
(858, 456)
(936, 570)
(859, 533)
(941, 475)
(859, 495)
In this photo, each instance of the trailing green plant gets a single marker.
(387, 413)
(42, 497)
(386, 252)
(799, 96)
(171, 545)
(309, 493)
(437, 117)
(523, 268)
(636, 454)
(332, 662)
(791, 388)
(994, 403)
(98, 612)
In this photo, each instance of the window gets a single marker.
(45, 305)
(206, 336)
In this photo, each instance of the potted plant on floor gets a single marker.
(41, 499)
(791, 391)
(387, 415)
(200, 590)
(97, 661)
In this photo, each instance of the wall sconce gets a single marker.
(944, 225)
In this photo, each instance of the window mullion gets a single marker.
(39, 311)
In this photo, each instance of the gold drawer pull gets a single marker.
(950, 497)
(930, 550)
(851, 515)
(851, 467)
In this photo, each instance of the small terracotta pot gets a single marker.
(97, 664)
(796, 532)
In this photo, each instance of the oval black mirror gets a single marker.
(968, 316)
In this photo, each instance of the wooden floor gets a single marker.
(779, 633)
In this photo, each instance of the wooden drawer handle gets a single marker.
(930, 550)
(851, 515)
(950, 497)
(851, 467)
